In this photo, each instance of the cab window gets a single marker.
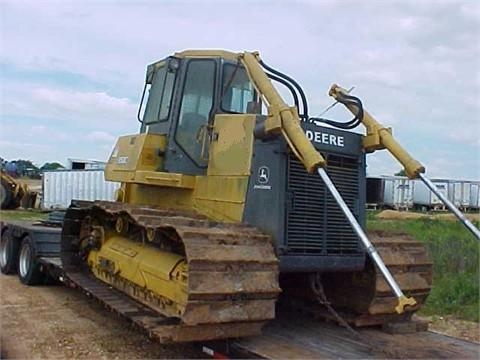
(196, 104)
(160, 95)
(237, 89)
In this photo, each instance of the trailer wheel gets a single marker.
(28, 268)
(8, 253)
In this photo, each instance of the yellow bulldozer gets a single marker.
(233, 201)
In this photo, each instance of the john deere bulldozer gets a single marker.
(231, 201)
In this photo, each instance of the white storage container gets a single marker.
(398, 192)
(422, 196)
(62, 186)
(459, 193)
(474, 195)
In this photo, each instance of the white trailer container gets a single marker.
(61, 187)
(398, 192)
(422, 196)
(459, 193)
(474, 195)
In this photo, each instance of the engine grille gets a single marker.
(315, 223)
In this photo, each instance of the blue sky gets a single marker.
(72, 72)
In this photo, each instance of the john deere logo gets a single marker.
(263, 175)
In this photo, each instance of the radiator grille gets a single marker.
(315, 223)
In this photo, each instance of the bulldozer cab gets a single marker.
(185, 92)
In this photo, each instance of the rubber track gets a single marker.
(233, 271)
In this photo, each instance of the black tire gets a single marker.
(5, 195)
(29, 271)
(9, 248)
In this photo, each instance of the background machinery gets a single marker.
(14, 193)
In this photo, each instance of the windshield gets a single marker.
(238, 91)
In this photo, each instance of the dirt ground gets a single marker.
(54, 322)
(408, 215)
(448, 325)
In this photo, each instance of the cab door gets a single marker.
(188, 153)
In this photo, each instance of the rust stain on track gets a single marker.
(232, 268)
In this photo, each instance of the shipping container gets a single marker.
(60, 187)
(422, 196)
(398, 192)
(390, 191)
(459, 193)
(474, 195)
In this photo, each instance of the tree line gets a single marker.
(26, 168)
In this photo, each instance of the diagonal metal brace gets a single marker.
(402, 299)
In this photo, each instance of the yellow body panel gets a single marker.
(208, 54)
(134, 153)
(122, 262)
(219, 195)
(221, 198)
(165, 179)
(166, 196)
(232, 143)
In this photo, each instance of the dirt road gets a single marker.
(56, 322)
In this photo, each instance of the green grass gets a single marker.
(455, 254)
(27, 215)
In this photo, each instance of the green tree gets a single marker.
(51, 166)
(401, 173)
(25, 167)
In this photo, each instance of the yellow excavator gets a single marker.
(231, 201)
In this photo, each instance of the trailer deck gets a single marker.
(299, 337)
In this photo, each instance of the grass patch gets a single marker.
(455, 254)
(26, 215)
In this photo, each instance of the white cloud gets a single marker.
(70, 108)
(83, 103)
(101, 136)
(414, 63)
(466, 136)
